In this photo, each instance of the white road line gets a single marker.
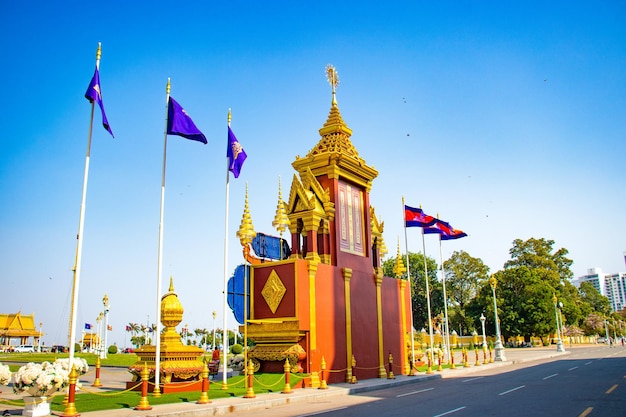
(450, 412)
(413, 392)
(571, 369)
(473, 379)
(511, 390)
(588, 363)
(549, 376)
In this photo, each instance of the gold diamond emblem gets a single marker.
(273, 291)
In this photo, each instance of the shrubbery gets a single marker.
(112, 349)
(236, 349)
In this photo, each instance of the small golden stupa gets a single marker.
(179, 364)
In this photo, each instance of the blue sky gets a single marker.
(505, 120)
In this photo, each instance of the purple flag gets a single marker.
(179, 123)
(235, 153)
(94, 93)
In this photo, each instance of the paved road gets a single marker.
(588, 382)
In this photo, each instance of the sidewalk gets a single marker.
(223, 406)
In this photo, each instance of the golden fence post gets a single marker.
(250, 390)
(439, 367)
(287, 369)
(485, 359)
(429, 369)
(96, 382)
(323, 368)
(452, 366)
(204, 396)
(353, 381)
(391, 375)
(465, 360)
(145, 376)
(70, 408)
(477, 359)
(490, 354)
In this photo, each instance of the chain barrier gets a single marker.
(269, 386)
(112, 393)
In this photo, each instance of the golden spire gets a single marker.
(399, 269)
(333, 79)
(171, 284)
(281, 221)
(246, 230)
(99, 51)
(168, 86)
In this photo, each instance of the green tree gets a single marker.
(418, 287)
(538, 255)
(464, 275)
(592, 297)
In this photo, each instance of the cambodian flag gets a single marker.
(415, 217)
(445, 230)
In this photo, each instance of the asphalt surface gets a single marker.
(116, 378)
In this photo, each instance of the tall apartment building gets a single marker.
(612, 286)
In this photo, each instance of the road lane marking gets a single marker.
(586, 412)
(588, 362)
(450, 412)
(513, 389)
(571, 369)
(480, 377)
(549, 376)
(413, 392)
(610, 390)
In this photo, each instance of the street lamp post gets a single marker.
(40, 334)
(559, 343)
(606, 330)
(499, 349)
(107, 307)
(482, 322)
(214, 316)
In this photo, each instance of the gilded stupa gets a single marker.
(178, 363)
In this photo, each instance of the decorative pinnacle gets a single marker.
(99, 51)
(168, 87)
(281, 221)
(230, 116)
(246, 230)
(171, 284)
(399, 267)
(333, 79)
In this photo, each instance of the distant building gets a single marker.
(18, 329)
(612, 286)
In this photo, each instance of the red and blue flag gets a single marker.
(415, 217)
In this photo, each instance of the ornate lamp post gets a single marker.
(214, 316)
(559, 343)
(40, 334)
(499, 349)
(107, 307)
(482, 322)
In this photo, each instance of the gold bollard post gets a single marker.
(204, 396)
(353, 381)
(485, 358)
(477, 359)
(391, 375)
(96, 382)
(452, 366)
(143, 403)
(250, 391)
(439, 367)
(490, 354)
(323, 384)
(70, 408)
(287, 369)
(465, 360)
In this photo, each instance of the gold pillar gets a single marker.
(382, 373)
(311, 225)
(347, 274)
(315, 380)
(407, 365)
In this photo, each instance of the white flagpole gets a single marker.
(445, 304)
(430, 321)
(408, 276)
(81, 224)
(157, 337)
(225, 311)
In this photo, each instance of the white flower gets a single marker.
(79, 363)
(5, 374)
(40, 379)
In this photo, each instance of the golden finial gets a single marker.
(333, 79)
(399, 269)
(230, 116)
(171, 284)
(246, 230)
(281, 221)
(168, 86)
(99, 51)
